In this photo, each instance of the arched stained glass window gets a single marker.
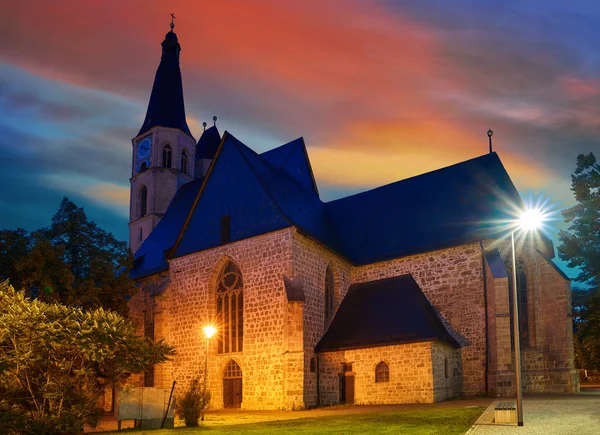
(230, 309)
(382, 372)
(166, 156)
(184, 163)
(143, 201)
(329, 288)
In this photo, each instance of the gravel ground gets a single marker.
(567, 414)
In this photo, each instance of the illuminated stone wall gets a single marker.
(416, 373)
(547, 353)
(452, 280)
(280, 335)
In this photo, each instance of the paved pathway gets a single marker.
(566, 414)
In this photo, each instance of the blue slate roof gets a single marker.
(455, 205)
(384, 312)
(263, 193)
(151, 256)
(207, 145)
(166, 108)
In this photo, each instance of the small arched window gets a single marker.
(143, 200)
(313, 365)
(184, 163)
(328, 294)
(230, 309)
(382, 372)
(166, 157)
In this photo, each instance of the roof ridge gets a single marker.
(417, 176)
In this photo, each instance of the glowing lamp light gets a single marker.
(531, 219)
(209, 331)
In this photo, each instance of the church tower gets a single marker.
(163, 150)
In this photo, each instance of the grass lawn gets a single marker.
(442, 421)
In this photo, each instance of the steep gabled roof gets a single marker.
(261, 193)
(151, 256)
(459, 204)
(384, 312)
(232, 188)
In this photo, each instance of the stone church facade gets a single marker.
(395, 295)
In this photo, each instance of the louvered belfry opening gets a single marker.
(232, 385)
(230, 309)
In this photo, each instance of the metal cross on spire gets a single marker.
(172, 23)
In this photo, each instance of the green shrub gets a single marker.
(193, 403)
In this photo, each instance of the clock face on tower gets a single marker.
(143, 147)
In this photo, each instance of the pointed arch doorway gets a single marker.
(232, 385)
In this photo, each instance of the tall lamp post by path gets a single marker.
(530, 220)
(209, 331)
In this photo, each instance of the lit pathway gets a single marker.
(576, 414)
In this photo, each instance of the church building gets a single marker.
(399, 294)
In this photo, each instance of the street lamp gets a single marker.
(209, 331)
(529, 220)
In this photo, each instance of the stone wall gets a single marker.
(547, 353)
(447, 371)
(189, 303)
(411, 373)
(452, 280)
(310, 261)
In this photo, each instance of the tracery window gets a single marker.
(143, 200)
(230, 309)
(184, 162)
(382, 372)
(166, 156)
(328, 294)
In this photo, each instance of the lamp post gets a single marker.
(529, 220)
(209, 331)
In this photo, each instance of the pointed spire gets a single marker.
(166, 107)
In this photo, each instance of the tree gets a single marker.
(52, 358)
(580, 247)
(73, 262)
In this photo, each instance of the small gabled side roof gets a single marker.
(384, 312)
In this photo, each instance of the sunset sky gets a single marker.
(380, 91)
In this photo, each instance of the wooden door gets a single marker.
(232, 392)
(349, 389)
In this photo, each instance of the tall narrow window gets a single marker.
(143, 201)
(230, 309)
(141, 234)
(382, 372)
(167, 153)
(225, 228)
(184, 162)
(523, 306)
(522, 302)
(329, 286)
